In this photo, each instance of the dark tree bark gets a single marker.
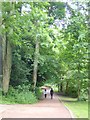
(67, 85)
(61, 87)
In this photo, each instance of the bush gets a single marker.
(19, 70)
(21, 95)
(83, 95)
(38, 93)
(72, 92)
(25, 98)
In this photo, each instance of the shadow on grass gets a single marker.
(69, 101)
(65, 98)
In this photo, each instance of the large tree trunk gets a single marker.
(7, 54)
(35, 69)
(6, 64)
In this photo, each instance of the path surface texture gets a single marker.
(46, 108)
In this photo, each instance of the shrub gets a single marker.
(72, 92)
(38, 93)
(83, 95)
(25, 97)
(21, 95)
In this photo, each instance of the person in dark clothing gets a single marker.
(51, 93)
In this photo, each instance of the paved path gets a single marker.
(47, 108)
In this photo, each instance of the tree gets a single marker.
(6, 46)
(42, 51)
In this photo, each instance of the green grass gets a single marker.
(78, 108)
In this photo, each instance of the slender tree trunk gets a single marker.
(58, 87)
(79, 83)
(0, 63)
(7, 54)
(35, 69)
(67, 85)
(61, 87)
(1, 47)
(79, 89)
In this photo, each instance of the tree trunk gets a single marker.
(6, 64)
(58, 87)
(1, 46)
(79, 83)
(7, 55)
(61, 87)
(0, 63)
(67, 85)
(35, 69)
(79, 89)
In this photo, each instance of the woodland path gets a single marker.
(46, 108)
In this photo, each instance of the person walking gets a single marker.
(51, 93)
(45, 93)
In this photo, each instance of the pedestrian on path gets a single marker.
(51, 93)
(45, 93)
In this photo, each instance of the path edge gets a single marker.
(72, 115)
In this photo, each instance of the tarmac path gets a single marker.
(46, 108)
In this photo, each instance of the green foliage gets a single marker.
(25, 98)
(63, 52)
(21, 95)
(57, 9)
(19, 69)
(38, 93)
(83, 95)
(72, 92)
(79, 108)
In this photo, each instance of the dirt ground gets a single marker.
(46, 108)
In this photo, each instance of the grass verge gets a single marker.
(78, 108)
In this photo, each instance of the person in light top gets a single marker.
(45, 93)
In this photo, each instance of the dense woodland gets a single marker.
(44, 42)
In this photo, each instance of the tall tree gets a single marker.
(6, 46)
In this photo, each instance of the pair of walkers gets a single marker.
(51, 93)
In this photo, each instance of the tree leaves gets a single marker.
(61, 50)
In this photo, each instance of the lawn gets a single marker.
(78, 108)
